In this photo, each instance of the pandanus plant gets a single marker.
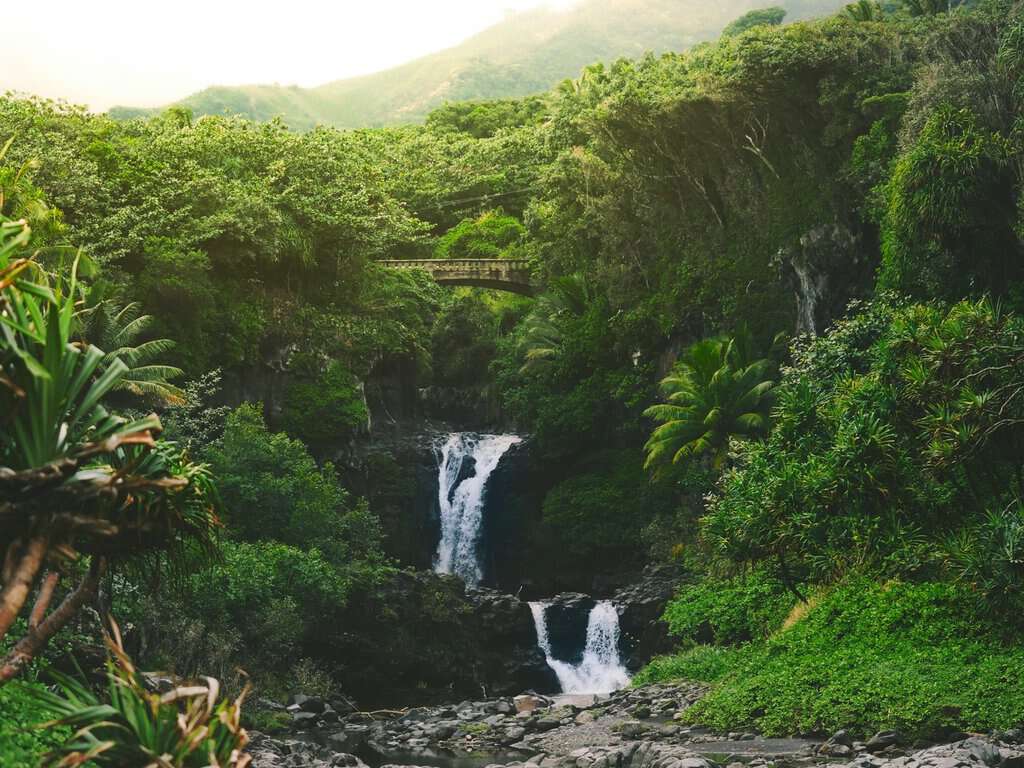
(189, 726)
(79, 486)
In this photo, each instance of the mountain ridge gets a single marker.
(527, 53)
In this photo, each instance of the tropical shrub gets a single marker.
(599, 513)
(717, 391)
(756, 18)
(327, 407)
(492, 235)
(894, 431)
(728, 611)
(186, 727)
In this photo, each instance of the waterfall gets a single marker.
(601, 670)
(461, 500)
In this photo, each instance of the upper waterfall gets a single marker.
(461, 500)
(601, 670)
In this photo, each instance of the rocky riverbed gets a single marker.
(634, 728)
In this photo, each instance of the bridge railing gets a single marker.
(514, 265)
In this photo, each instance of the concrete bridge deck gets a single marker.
(501, 274)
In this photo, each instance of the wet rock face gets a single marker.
(567, 616)
(826, 268)
(423, 637)
(643, 634)
(513, 502)
(512, 661)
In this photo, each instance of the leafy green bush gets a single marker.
(599, 514)
(948, 228)
(22, 745)
(729, 611)
(328, 407)
(702, 663)
(893, 432)
(272, 488)
(492, 235)
(915, 657)
(463, 342)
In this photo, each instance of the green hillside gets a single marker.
(527, 53)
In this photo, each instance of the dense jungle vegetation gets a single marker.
(780, 343)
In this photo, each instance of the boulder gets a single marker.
(351, 739)
(883, 740)
(304, 719)
(528, 702)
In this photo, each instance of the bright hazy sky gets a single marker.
(150, 52)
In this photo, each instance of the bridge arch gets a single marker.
(499, 274)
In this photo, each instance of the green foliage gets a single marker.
(728, 611)
(989, 555)
(218, 226)
(716, 392)
(297, 548)
(599, 513)
(21, 745)
(325, 408)
(869, 656)
(865, 10)
(893, 431)
(703, 663)
(948, 225)
(756, 18)
(484, 119)
(190, 727)
(271, 488)
(195, 421)
(464, 342)
(492, 235)
(117, 329)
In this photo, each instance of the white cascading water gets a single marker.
(601, 670)
(462, 503)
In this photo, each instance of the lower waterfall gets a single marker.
(461, 500)
(601, 670)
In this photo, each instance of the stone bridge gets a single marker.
(501, 274)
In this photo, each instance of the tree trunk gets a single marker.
(37, 638)
(26, 566)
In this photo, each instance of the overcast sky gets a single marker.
(150, 52)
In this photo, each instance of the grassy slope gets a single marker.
(915, 657)
(528, 53)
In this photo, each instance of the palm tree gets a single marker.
(567, 297)
(717, 391)
(117, 329)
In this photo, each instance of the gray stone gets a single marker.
(304, 719)
(513, 734)
(882, 740)
(546, 723)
